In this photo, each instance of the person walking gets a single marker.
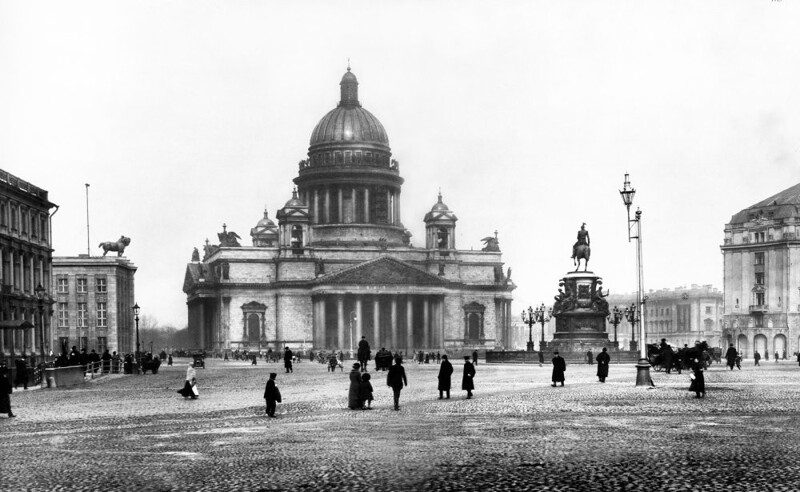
(272, 394)
(21, 365)
(5, 392)
(730, 355)
(396, 378)
(467, 382)
(445, 371)
(541, 358)
(602, 365)
(190, 383)
(169, 360)
(559, 366)
(287, 359)
(353, 400)
(776, 356)
(475, 357)
(590, 357)
(666, 355)
(756, 357)
(698, 384)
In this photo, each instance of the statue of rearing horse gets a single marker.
(118, 246)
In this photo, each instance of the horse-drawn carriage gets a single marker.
(383, 360)
(151, 363)
(682, 359)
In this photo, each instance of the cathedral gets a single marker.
(339, 264)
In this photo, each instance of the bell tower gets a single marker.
(440, 228)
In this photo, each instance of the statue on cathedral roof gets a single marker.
(228, 239)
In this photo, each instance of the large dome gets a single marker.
(348, 122)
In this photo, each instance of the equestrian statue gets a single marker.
(581, 249)
(118, 246)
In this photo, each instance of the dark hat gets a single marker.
(555, 352)
(466, 357)
(273, 375)
(444, 357)
(356, 365)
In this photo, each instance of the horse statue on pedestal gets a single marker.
(118, 246)
(582, 251)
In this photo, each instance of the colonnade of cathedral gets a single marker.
(352, 204)
(21, 272)
(393, 321)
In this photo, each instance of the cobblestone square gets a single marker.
(518, 433)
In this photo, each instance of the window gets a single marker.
(759, 237)
(758, 320)
(760, 278)
(81, 286)
(63, 285)
(708, 309)
(63, 344)
(760, 298)
(82, 315)
(63, 315)
(101, 285)
(759, 258)
(102, 344)
(102, 315)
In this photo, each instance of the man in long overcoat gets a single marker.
(287, 359)
(466, 380)
(396, 379)
(353, 400)
(666, 355)
(730, 355)
(559, 366)
(445, 371)
(602, 365)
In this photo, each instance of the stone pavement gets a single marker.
(518, 433)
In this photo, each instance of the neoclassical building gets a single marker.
(340, 264)
(762, 276)
(25, 264)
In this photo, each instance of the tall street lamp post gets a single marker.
(529, 319)
(136, 318)
(40, 292)
(615, 318)
(543, 316)
(353, 317)
(635, 232)
(632, 315)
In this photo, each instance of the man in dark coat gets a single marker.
(363, 353)
(756, 357)
(5, 391)
(666, 355)
(698, 384)
(106, 357)
(559, 366)
(730, 355)
(396, 379)
(589, 357)
(287, 359)
(475, 357)
(541, 358)
(272, 395)
(21, 377)
(469, 373)
(445, 371)
(602, 365)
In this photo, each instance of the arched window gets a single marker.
(473, 322)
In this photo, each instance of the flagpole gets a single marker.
(88, 250)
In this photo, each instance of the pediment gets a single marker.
(382, 271)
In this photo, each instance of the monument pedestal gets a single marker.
(580, 311)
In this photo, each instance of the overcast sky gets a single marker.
(185, 115)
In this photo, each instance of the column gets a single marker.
(2, 268)
(394, 324)
(358, 321)
(327, 207)
(389, 218)
(376, 320)
(202, 309)
(397, 208)
(340, 320)
(323, 323)
(340, 219)
(426, 328)
(366, 205)
(316, 205)
(409, 322)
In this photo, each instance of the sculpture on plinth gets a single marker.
(581, 249)
(118, 245)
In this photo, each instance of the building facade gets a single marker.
(682, 315)
(761, 254)
(340, 264)
(94, 298)
(25, 264)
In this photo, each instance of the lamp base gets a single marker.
(643, 374)
(530, 346)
